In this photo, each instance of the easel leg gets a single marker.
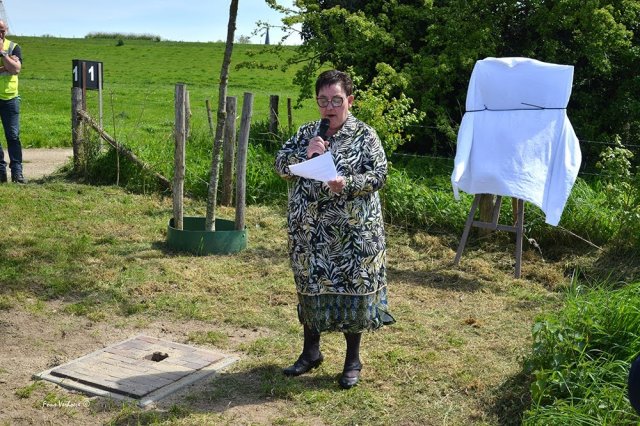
(514, 208)
(519, 234)
(467, 228)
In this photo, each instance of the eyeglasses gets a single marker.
(336, 101)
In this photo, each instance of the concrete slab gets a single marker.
(142, 369)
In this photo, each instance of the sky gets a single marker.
(178, 20)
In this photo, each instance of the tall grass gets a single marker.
(581, 358)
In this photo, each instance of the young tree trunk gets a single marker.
(212, 195)
(228, 151)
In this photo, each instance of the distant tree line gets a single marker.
(432, 45)
(124, 36)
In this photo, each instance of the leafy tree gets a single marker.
(389, 115)
(433, 45)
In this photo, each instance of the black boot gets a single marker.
(352, 365)
(17, 177)
(3, 177)
(310, 358)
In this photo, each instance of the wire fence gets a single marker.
(586, 169)
(274, 191)
(137, 111)
(152, 98)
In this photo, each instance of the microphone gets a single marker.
(322, 132)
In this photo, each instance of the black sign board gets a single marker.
(86, 74)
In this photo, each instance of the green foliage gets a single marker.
(26, 391)
(622, 190)
(434, 45)
(586, 214)
(581, 357)
(390, 115)
(352, 42)
(264, 186)
(422, 203)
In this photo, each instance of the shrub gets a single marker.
(581, 356)
(621, 188)
(384, 106)
(127, 36)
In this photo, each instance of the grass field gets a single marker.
(139, 83)
(83, 266)
(90, 264)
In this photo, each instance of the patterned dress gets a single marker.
(336, 241)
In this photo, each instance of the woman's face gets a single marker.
(337, 115)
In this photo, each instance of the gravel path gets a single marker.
(39, 162)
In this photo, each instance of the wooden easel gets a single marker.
(518, 210)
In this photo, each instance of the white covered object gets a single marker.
(515, 138)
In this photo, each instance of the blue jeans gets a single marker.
(10, 116)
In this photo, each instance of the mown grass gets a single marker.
(73, 253)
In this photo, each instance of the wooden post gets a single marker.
(486, 205)
(100, 111)
(241, 167)
(179, 160)
(212, 129)
(187, 115)
(76, 126)
(228, 151)
(84, 87)
(273, 114)
(289, 115)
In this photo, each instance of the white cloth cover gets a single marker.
(508, 144)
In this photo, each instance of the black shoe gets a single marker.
(347, 382)
(18, 178)
(302, 365)
(3, 177)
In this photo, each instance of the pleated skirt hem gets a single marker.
(344, 313)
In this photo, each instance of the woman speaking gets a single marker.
(336, 230)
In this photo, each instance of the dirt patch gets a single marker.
(40, 162)
(44, 338)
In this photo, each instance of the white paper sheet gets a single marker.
(320, 168)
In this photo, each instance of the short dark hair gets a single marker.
(332, 77)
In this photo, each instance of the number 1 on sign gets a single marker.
(90, 71)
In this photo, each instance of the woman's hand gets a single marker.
(337, 185)
(317, 145)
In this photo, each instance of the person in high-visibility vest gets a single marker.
(10, 66)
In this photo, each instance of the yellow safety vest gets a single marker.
(8, 82)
